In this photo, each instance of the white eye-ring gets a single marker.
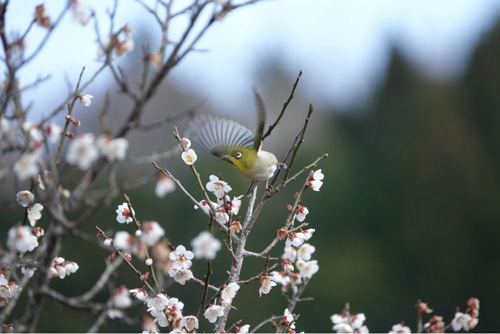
(237, 155)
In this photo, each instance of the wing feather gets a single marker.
(219, 136)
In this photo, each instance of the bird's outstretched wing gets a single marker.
(219, 136)
(261, 120)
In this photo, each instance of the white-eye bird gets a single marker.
(235, 143)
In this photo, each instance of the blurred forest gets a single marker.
(409, 209)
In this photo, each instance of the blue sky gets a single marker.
(342, 46)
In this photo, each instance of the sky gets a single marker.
(342, 46)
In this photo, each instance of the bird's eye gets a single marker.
(237, 155)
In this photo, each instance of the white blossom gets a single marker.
(123, 240)
(164, 186)
(461, 321)
(152, 232)
(121, 298)
(25, 197)
(316, 180)
(205, 246)
(124, 214)
(26, 166)
(213, 312)
(179, 274)
(21, 239)
(307, 268)
(228, 293)
(189, 322)
(35, 213)
(82, 151)
(398, 328)
(113, 149)
(181, 257)
(305, 251)
(86, 99)
(81, 12)
(139, 293)
(189, 156)
(53, 132)
(218, 187)
(158, 302)
(28, 271)
(266, 283)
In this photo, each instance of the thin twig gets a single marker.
(285, 105)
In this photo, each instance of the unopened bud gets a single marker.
(108, 242)
(282, 233)
(69, 134)
(149, 261)
(38, 232)
(128, 257)
(113, 256)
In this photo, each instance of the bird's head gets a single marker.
(243, 158)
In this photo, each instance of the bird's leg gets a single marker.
(252, 188)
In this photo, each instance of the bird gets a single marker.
(234, 143)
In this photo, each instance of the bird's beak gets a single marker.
(226, 157)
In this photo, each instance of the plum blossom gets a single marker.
(25, 197)
(35, 213)
(152, 233)
(243, 329)
(158, 302)
(189, 156)
(26, 166)
(290, 253)
(81, 12)
(221, 215)
(113, 149)
(213, 312)
(288, 319)
(189, 322)
(301, 213)
(123, 240)
(218, 187)
(399, 328)
(181, 257)
(21, 239)
(316, 180)
(307, 268)
(205, 246)
(139, 293)
(123, 214)
(53, 132)
(28, 271)
(180, 274)
(266, 283)
(164, 186)
(461, 321)
(121, 297)
(85, 99)
(82, 151)
(62, 268)
(7, 289)
(344, 323)
(305, 252)
(228, 293)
